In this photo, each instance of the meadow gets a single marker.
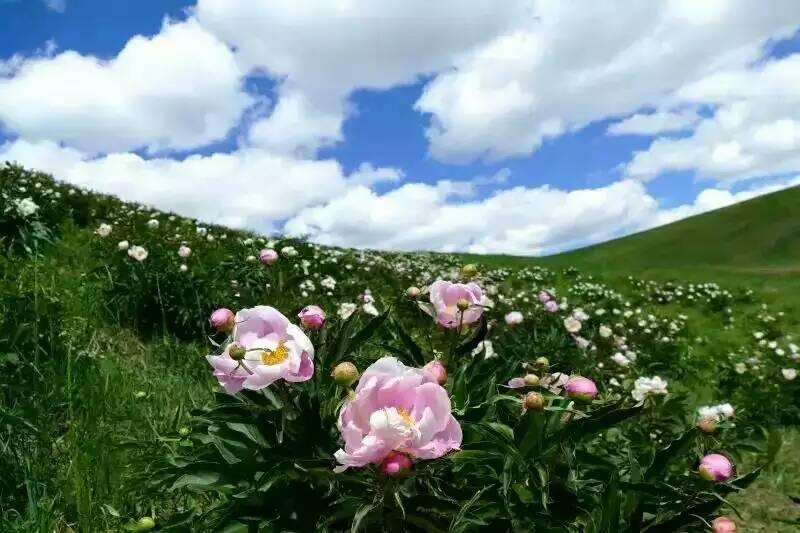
(161, 374)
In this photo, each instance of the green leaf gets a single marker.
(610, 505)
(414, 351)
(201, 479)
(596, 422)
(360, 515)
(677, 448)
(368, 331)
(474, 339)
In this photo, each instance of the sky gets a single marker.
(525, 127)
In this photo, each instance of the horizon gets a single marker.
(495, 131)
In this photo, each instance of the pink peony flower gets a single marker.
(715, 467)
(222, 319)
(437, 370)
(513, 318)
(723, 524)
(267, 256)
(312, 317)
(445, 297)
(580, 388)
(396, 408)
(516, 383)
(274, 349)
(551, 306)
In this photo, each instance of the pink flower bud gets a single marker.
(580, 388)
(513, 318)
(268, 256)
(551, 306)
(544, 296)
(715, 467)
(723, 524)
(516, 383)
(312, 317)
(222, 319)
(413, 292)
(396, 465)
(345, 374)
(437, 370)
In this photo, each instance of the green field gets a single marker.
(103, 363)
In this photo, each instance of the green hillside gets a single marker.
(759, 234)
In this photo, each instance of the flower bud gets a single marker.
(145, 523)
(413, 292)
(437, 370)
(513, 318)
(707, 424)
(723, 524)
(184, 431)
(344, 374)
(462, 304)
(581, 389)
(470, 270)
(542, 362)
(715, 467)
(312, 317)
(268, 256)
(533, 401)
(237, 351)
(222, 319)
(531, 380)
(396, 465)
(551, 306)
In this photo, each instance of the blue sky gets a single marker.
(474, 128)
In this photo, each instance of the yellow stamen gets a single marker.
(406, 416)
(274, 357)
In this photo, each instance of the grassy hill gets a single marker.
(759, 235)
(103, 370)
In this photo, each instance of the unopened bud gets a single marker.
(413, 292)
(470, 270)
(344, 374)
(462, 304)
(437, 370)
(237, 352)
(531, 380)
(145, 523)
(707, 425)
(396, 465)
(542, 362)
(184, 431)
(533, 401)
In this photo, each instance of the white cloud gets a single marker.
(247, 188)
(657, 122)
(180, 89)
(572, 65)
(323, 50)
(754, 131)
(519, 220)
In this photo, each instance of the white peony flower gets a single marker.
(644, 387)
(184, 251)
(152, 223)
(104, 230)
(789, 373)
(138, 253)
(123, 245)
(26, 207)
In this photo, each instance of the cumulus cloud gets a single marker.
(519, 220)
(179, 89)
(574, 65)
(753, 132)
(322, 50)
(657, 122)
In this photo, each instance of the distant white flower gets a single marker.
(572, 324)
(605, 331)
(644, 387)
(26, 207)
(201, 231)
(251, 258)
(123, 245)
(104, 230)
(740, 368)
(152, 223)
(346, 309)
(328, 283)
(138, 253)
(289, 251)
(580, 314)
(184, 251)
(369, 303)
(621, 360)
(789, 373)
(183, 268)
